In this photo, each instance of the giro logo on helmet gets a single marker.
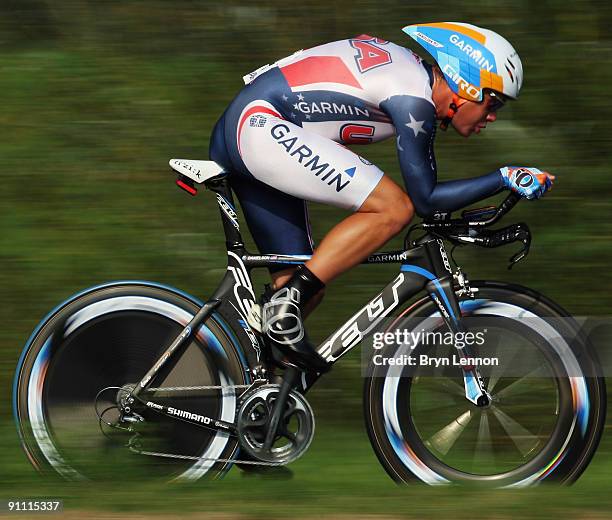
(464, 86)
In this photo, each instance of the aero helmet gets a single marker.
(471, 58)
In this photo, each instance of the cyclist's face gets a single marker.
(473, 116)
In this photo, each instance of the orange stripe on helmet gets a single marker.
(491, 80)
(465, 92)
(466, 31)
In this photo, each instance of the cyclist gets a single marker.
(281, 138)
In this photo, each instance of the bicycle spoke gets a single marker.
(449, 386)
(420, 407)
(436, 393)
(523, 439)
(522, 386)
(444, 439)
(483, 452)
(291, 409)
(498, 370)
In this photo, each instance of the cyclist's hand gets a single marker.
(530, 183)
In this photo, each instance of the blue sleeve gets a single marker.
(415, 126)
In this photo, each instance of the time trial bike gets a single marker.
(136, 374)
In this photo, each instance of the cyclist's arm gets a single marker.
(414, 120)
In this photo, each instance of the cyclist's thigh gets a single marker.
(303, 164)
(278, 222)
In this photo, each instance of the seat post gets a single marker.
(229, 216)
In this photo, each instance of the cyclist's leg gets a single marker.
(360, 234)
(385, 212)
(277, 220)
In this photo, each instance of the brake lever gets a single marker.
(524, 235)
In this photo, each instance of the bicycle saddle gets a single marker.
(197, 171)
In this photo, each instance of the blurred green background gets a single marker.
(98, 96)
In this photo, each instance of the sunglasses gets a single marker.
(495, 102)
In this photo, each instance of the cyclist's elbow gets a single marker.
(423, 208)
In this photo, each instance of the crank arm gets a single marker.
(289, 378)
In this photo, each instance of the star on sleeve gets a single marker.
(416, 126)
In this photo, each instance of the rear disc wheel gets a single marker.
(108, 339)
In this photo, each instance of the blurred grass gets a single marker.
(97, 96)
(339, 475)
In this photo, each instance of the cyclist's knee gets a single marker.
(391, 202)
(398, 213)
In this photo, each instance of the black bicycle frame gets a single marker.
(424, 266)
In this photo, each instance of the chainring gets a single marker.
(295, 429)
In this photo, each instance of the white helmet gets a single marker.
(471, 58)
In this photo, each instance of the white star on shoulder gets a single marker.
(285, 98)
(300, 97)
(295, 106)
(416, 126)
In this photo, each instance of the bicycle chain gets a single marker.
(190, 388)
(133, 449)
(207, 459)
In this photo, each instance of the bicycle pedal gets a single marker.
(254, 318)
